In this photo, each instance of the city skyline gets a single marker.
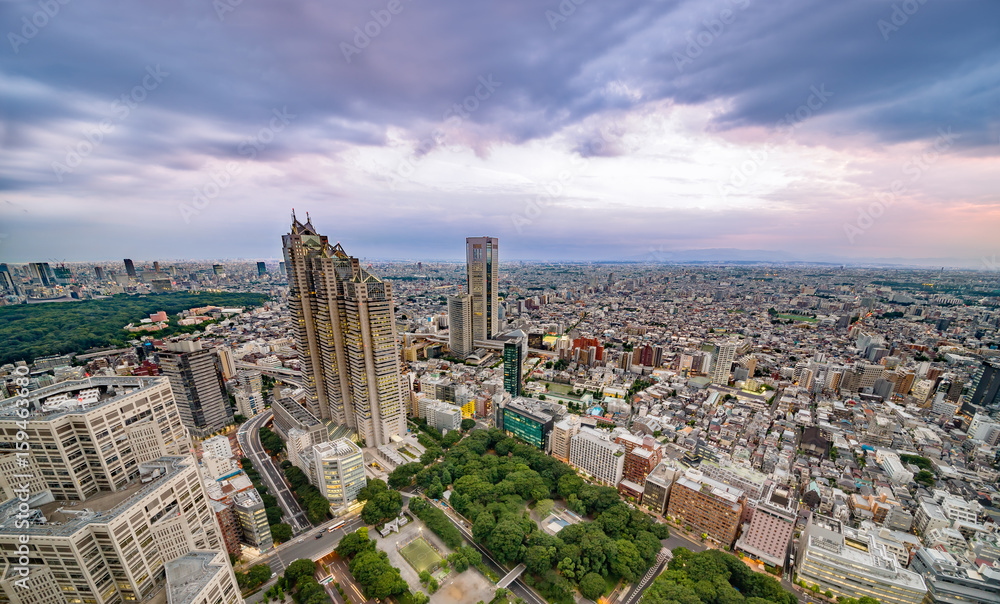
(845, 132)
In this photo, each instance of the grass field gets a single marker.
(797, 318)
(420, 555)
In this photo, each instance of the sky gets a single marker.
(854, 130)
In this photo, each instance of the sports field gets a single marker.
(420, 555)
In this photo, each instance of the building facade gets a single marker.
(194, 379)
(532, 425)
(248, 507)
(771, 528)
(340, 471)
(482, 275)
(596, 454)
(460, 325)
(512, 362)
(345, 332)
(708, 505)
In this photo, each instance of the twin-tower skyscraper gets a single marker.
(345, 330)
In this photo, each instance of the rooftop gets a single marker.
(74, 396)
(189, 574)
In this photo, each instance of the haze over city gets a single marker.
(573, 130)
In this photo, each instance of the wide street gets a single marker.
(308, 546)
(249, 439)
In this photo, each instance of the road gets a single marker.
(305, 546)
(518, 588)
(249, 439)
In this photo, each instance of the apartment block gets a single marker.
(562, 434)
(594, 452)
(708, 505)
(771, 528)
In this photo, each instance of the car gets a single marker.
(273, 575)
(318, 535)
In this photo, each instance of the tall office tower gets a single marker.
(261, 269)
(99, 273)
(512, 361)
(725, 353)
(116, 546)
(482, 270)
(204, 406)
(460, 325)
(6, 279)
(345, 332)
(281, 268)
(227, 363)
(130, 268)
(252, 518)
(219, 270)
(41, 273)
(985, 389)
(91, 436)
(156, 266)
(339, 471)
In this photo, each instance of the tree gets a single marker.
(354, 543)
(544, 507)
(424, 577)
(483, 527)
(925, 477)
(592, 586)
(257, 575)
(281, 532)
(505, 542)
(420, 598)
(297, 571)
(538, 558)
(382, 508)
(468, 424)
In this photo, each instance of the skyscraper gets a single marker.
(261, 269)
(725, 354)
(512, 361)
(130, 268)
(345, 332)
(460, 325)
(985, 388)
(99, 273)
(482, 269)
(203, 406)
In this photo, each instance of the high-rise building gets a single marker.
(90, 436)
(6, 278)
(116, 546)
(596, 454)
(227, 363)
(203, 405)
(512, 362)
(823, 557)
(252, 518)
(525, 419)
(771, 528)
(725, 354)
(656, 489)
(129, 268)
(562, 435)
(482, 272)
(345, 332)
(339, 471)
(261, 269)
(99, 273)
(951, 580)
(228, 525)
(460, 325)
(985, 388)
(41, 273)
(710, 506)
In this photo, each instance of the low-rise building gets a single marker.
(770, 529)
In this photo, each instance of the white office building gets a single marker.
(596, 454)
(339, 471)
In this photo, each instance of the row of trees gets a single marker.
(437, 522)
(713, 577)
(271, 442)
(370, 566)
(316, 507)
(300, 579)
(280, 532)
(254, 577)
